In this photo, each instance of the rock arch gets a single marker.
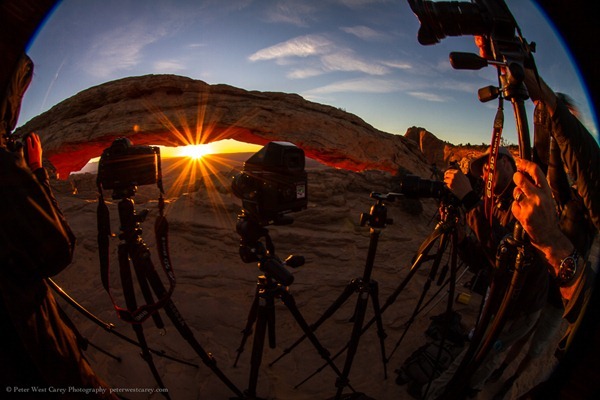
(169, 110)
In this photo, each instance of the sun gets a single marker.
(195, 151)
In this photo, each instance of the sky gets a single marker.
(361, 56)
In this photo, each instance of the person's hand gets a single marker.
(534, 206)
(457, 182)
(534, 209)
(34, 152)
(484, 47)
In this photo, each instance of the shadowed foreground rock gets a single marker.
(169, 109)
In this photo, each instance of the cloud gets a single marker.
(363, 32)
(305, 73)
(397, 64)
(418, 89)
(428, 96)
(361, 85)
(302, 46)
(328, 57)
(118, 49)
(346, 60)
(166, 66)
(290, 12)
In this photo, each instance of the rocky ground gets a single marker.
(215, 288)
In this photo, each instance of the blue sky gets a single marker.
(358, 55)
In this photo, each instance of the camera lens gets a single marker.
(413, 186)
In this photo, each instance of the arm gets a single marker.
(34, 161)
(36, 240)
(536, 212)
(578, 148)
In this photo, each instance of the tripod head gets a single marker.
(377, 216)
(253, 250)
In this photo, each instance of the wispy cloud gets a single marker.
(397, 64)
(302, 46)
(419, 89)
(347, 60)
(118, 49)
(328, 57)
(304, 73)
(434, 97)
(361, 85)
(363, 32)
(168, 66)
(291, 12)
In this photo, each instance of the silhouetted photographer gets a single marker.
(40, 347)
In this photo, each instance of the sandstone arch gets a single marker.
(168, 109)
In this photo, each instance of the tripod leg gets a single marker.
(359, 313)
(258, 346)
(82, 341)
(270, 311)
(140, 258)
(448, 314)
(248, 328)
(106, 326)
(185, 331)
(419, 259)
(380, 331)
(290, 303)
(443, 244)
(348, 291)
(131, 303)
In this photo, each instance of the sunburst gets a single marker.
(194, 168)
(195, 151)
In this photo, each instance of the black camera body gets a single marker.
(416, 187)
(272, 183)
(124, 166)
(456, 18)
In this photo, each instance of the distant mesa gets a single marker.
(169, 109)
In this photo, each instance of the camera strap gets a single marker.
(136, 315)
(490, 173)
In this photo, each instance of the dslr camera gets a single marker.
(456, 18)
(416, 187)
(124, 166)
(272, 183)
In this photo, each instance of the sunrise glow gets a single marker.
(197, 151)
(194, 151)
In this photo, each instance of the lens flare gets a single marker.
(195, 151)
(199, 175)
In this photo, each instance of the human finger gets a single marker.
(524, 185)
(483, 46)
(448, 175)
(534, 172)
(33, 141)
(519, 196)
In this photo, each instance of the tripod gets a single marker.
(443, 234)
(132, 248)
(445, 230)
(365, 287)
(274, 283)
(108, 327)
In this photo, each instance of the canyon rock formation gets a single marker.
(170, 110)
